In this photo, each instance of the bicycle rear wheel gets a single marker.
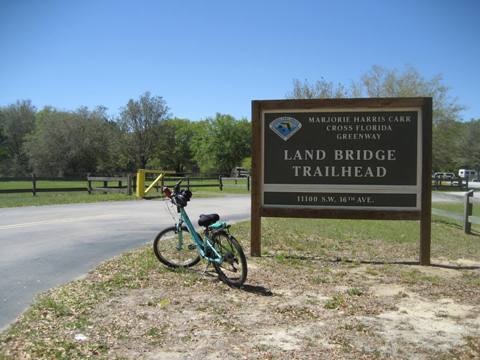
(176, 248)
(233, 269)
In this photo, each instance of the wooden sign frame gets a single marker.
(422, 212)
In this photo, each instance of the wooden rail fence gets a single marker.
(105, 188)
(119, 183)
(467, 218)
(236, 181)
(34, 187)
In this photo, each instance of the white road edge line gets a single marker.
(57, 221)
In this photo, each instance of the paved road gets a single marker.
(453, 196)
(42, 247)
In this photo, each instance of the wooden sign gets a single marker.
(342, 158)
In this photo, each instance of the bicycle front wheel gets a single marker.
(176, 248)
(233, 269)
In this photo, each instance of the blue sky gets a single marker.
(207, 56)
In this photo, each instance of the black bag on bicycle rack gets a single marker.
(183, 198)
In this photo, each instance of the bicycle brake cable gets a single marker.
(169, 206)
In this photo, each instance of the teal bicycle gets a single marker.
(181, 246)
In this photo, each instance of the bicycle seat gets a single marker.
(209, 219)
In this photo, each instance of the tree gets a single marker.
(17, 121)
(221, 143)
(469, 146)
(3, 147)
(140, 120)
(382, 82)
(174, 150)
(445, 145)
(70, 143)
(321, 89)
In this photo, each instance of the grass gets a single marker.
(229, 186)
(368, 240)
(335, 302)
(26, 199)
(48, 184)
(47, 198)
(456, 207)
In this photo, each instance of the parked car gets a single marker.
(444, 175)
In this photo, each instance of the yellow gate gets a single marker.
(141, 191)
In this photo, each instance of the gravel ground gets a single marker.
(291, 308)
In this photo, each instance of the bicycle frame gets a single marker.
(202, 244)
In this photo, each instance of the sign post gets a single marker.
(344, 159)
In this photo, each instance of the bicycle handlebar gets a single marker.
(176, 189)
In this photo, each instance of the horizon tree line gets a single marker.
(52, 142)
(57, 143)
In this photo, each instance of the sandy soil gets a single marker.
(297, 309)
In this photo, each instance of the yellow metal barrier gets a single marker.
(140, 183)
(141, 191)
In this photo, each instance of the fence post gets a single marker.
(129, 184)
(248, 183)
(467, 226)
(220, 184)
(188, 182)
(34, 185)
(89, 185)
(140, 183)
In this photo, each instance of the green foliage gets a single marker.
(335, 302)
(62, 143)
(16, 122)
(3, 147)
(54, 198)
(174, 149)
(445, 140)
(354, 291)
(469, 145)
(247, 163)
(221, 143)
(140, 122)
(70, 143)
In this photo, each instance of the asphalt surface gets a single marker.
(46, 246)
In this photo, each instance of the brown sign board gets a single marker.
(342, 158)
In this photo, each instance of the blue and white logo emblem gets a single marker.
(285, 127)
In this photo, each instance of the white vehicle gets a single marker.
(444, 175)
(467, 174)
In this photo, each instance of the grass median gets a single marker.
(53, 198)
(329, 287)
